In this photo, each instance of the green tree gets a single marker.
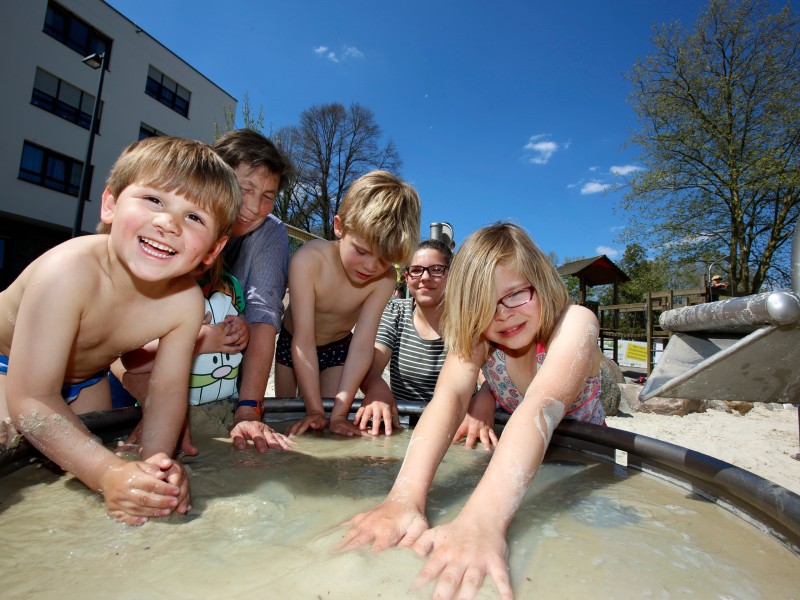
(645, 275)
(252, 118)
(330, 148)
(719, 110)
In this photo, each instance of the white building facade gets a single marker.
(47, 101)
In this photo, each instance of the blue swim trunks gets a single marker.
(69, 391)
(329, 355)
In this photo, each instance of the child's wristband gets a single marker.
(254, 404)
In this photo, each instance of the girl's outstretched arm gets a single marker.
(400, 518)
(461, 553)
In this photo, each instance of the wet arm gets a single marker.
(571, 358)
(44, 334)
(400, 519)
(167, 395)
(362, 348)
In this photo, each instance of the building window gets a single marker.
(75, 33)
(50, 169)
(145, 131)
(62, 99)
(167, 91)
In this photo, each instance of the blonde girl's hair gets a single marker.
(470, 298)
(385, 211)
(187, 167)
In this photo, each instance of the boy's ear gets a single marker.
(107, 206)
(338, 228)
(212, 255)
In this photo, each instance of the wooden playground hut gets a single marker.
(591, 272)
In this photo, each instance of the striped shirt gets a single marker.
(415, 363)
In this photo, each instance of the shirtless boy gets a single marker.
(336, 286)
(169, 204)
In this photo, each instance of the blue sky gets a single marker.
(506, 110)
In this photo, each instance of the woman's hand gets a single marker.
(377, 410)
(478, 423)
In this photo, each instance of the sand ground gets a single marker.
(761, 441)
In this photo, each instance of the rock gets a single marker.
(613, 369)
(610, 378)
(629, 397)
(673, 406)
(730, 406)
(719, 405)
(740, 406)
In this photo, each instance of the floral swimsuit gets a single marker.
(586, 408)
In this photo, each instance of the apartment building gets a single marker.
(47, 102)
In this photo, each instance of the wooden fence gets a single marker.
(655, 303)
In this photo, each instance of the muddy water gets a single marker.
(266, 525)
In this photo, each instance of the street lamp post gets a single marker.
(95, 61)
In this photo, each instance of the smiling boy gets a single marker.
(168, 206)
(258, 256)
(336, 286)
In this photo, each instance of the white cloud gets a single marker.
(352, 52)
(609, 252)
(624, 170)
(594, 187)
(541, 149)
(348, 52)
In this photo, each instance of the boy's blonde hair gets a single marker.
(385, 211)
(470, 299)
(187, 167)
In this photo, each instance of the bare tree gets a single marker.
(719, 109)
(330, 148)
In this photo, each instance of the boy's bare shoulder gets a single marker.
(316, 256)
(315, 250)
(81, 260)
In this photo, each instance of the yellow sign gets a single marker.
(636, 352)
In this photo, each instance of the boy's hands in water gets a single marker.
(136, 491)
